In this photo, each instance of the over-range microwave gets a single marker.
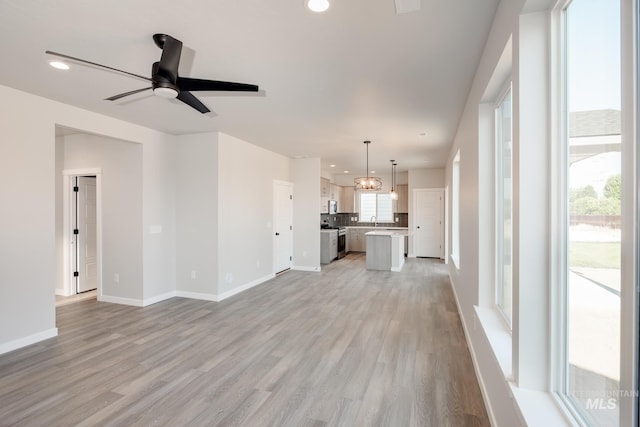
(333, 206)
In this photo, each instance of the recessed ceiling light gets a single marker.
(59, 65)
(346, 171)
(373, 171)
(317, 5)
(332, 166)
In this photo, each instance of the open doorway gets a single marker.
(84, 249)
(82, 232)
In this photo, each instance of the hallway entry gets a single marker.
(84, 249)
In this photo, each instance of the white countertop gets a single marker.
(381, 228)
(400, 232)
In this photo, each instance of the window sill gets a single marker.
(535, 408)
(499, 336)
(455, 261)
(540, 408)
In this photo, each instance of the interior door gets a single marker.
(282, 226)
(87, 265)
(428, 220)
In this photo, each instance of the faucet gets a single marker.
(373, 220)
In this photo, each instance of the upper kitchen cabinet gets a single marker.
(325, 191)
(345, 203)
(325, 187)
(335, 193)
(402, 204)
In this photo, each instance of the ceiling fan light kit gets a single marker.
(165, 92)
(368, 183)
(165, 81)
(59, 65)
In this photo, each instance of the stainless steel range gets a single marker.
(342, 242)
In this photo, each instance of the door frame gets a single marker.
(273, 222)
(414, 215)
(68, 225)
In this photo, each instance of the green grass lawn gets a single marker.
(594, 254)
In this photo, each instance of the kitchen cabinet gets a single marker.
(402, 204)
(356, 239)
(328, 246)
(325, 191)
(385, 250)
(325, 187)
(346, 200)
(336, 193)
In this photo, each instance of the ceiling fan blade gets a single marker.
(186, 83)
(122, 95)
(170, 59)
(192, 101)
(61, 55)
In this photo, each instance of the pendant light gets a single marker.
(393, 193)
(369, 183)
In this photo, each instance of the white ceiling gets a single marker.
(328, 81)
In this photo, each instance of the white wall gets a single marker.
(426, 178)
(121, 164)
(159, 214)
(59, 222)
(245, 212)
(27, 228)
(465, 279)
(197, 215)
(28, 191)
(305, 174)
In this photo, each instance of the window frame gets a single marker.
(455, 210)
(378, 194)
(507, 90)
(629, 409)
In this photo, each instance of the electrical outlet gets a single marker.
(116, 278)
(193, 274)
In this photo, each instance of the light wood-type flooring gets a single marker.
(344, 347)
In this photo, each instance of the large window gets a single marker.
(504, 209)
(375, 207)
(593, 206)
(455, 210)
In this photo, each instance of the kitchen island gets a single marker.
(385, 249)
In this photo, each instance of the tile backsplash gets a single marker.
(351, 219)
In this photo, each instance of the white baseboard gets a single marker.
(244, 287)
(225, 295)
(124, 301)
(306, 268)
(483, 388)
(158, 298)
(62, 292)
(197, 295)
(25, 341)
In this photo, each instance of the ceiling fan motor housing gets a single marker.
(163, 86)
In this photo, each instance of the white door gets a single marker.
(282, 226)
(427, 223)
(87, 256)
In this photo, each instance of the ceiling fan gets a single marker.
(165, 81)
